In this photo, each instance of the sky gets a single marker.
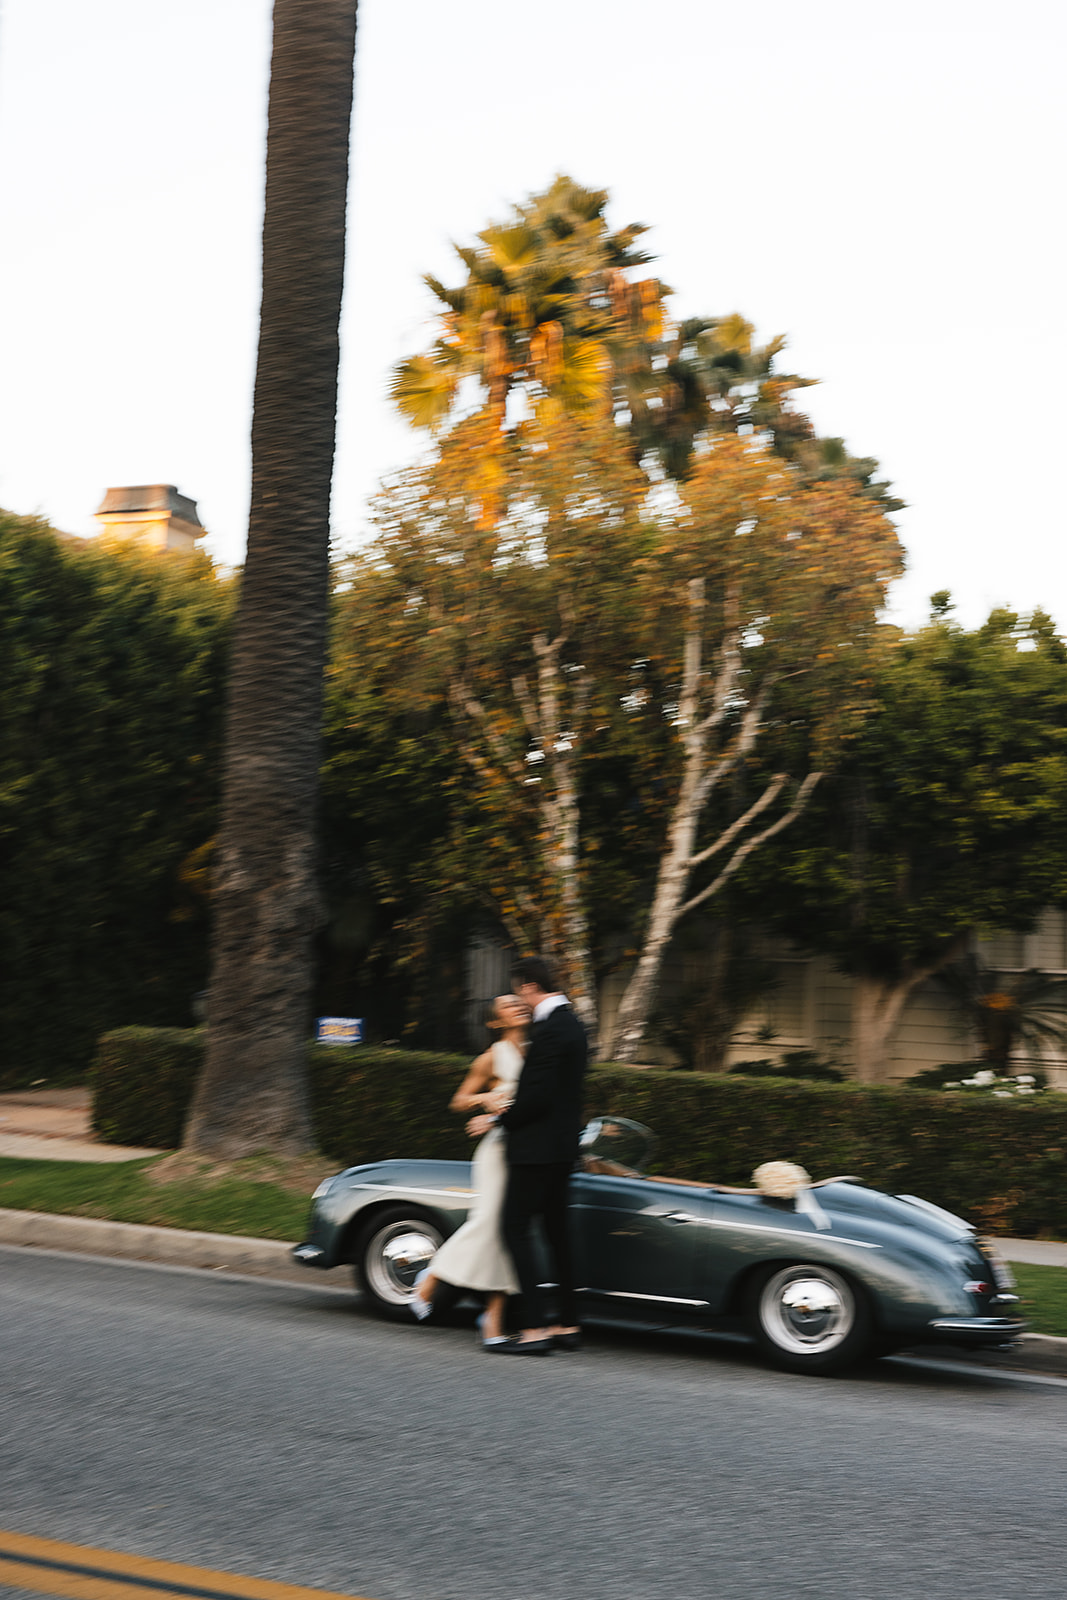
(880, 182)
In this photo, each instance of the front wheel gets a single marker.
(808, 1318)
(394, 1248)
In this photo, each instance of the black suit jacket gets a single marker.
(545, 1120)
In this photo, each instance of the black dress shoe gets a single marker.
(522, 1347)
(567, 1341)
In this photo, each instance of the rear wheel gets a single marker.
(393, 1249)
(807, 1318)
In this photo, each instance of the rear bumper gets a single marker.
(975, 1332)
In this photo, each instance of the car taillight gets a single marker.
(975, 1287)
(1002, 1274)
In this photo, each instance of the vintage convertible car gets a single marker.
(818, 1286)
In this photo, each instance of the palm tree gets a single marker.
(1026, 1011)
(251, 1094)
(547, 309)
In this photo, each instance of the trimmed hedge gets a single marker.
(1001, 1163)
(142, 1082)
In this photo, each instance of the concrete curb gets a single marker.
(258, 1258)
(270, 1258)
(1035, 1352)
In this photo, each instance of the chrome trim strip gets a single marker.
(657, 1299)
(976, 1325)
(402, 1190)
(794, 1233)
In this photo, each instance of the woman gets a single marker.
(475, 1256)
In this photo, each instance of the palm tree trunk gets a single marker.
(251, 1094)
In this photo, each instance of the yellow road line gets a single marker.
(48, 1566)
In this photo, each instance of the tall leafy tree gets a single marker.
(947, 816)
(549, 326)
(762, 592)
(611, 656)
(519, 625)
(251, 1094)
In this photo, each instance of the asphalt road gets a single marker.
(281, 1432)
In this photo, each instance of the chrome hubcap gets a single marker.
(807, 1310)
(396, 1256)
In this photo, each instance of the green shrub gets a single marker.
(1001, 1163)
(142, 1081)
(112, 670)
(794, 1064)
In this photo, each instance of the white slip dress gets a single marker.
(475, 1257)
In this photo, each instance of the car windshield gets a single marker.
(617, 1145)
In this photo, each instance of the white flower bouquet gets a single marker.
(780, 1180)
(785, 1180)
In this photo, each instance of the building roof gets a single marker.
(142, 497)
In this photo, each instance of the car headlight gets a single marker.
(323, 1189)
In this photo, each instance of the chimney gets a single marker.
(151, 514)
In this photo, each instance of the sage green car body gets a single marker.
(656, 1249)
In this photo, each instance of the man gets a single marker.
(542, 1126)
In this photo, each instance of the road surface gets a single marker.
(278, 1431)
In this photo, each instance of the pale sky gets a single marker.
(880, 180)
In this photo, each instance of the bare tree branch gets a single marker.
(515, 930)
(461, 699)
(768, 797)
(529, 707)
(692, 667)
(804, 794)
(725, 682)
(747, 735)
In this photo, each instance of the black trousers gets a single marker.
(539, 1192)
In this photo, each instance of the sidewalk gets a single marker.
(55, 1125)
(1033, 1252)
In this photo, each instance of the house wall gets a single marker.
(810, 1008)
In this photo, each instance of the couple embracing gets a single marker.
(528, 1102)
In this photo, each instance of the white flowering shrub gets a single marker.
(987, 1082)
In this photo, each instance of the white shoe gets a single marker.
(420, 1307)
(493, 1338)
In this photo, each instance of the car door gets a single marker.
(739, 1231)
(636, 1241)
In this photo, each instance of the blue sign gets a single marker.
(339, 1030)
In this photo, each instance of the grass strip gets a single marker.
(125, 1192)
(1044, 1297)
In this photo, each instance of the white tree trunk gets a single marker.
(557, 729)
(700, 776)
(631, 1020)
(559, 736)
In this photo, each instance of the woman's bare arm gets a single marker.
(474, 1092)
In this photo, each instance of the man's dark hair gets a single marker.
(531, 969)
